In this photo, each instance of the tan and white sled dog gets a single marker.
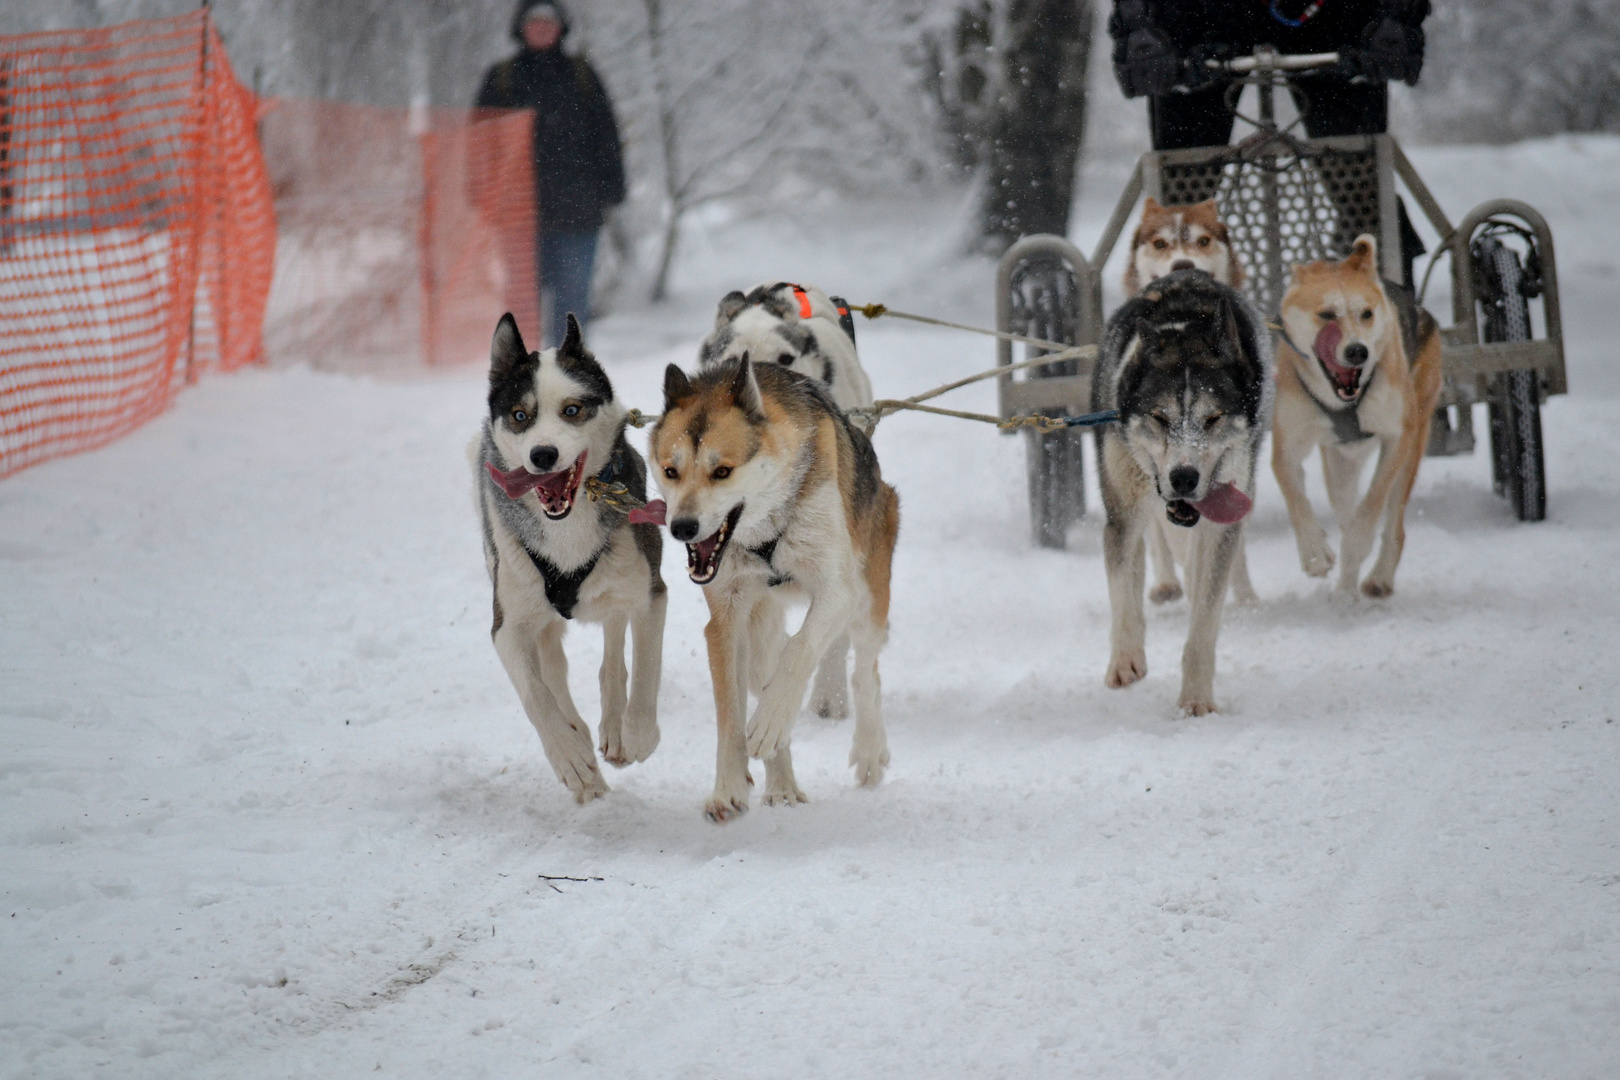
(553, 423)
(771, 488)
(801, 328)
(1359, 369)
(1183, 238)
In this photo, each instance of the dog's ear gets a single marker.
(677, 388)
(1150, 205)
(1231, 332)
(731, 305)
(745, 389)
(1147, 336)
(573, 342)
(1363, 257)
(506, 350)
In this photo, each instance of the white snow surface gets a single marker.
(271, 807)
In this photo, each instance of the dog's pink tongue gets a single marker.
(517, 483)
(1224, 505)
(651, 514)
(1327, 345)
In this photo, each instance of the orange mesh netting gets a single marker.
(136, 229)
(404, 234)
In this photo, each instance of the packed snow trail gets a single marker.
(272, 808)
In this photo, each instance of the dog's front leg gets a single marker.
(563, 735)
(771, 728)
(1123, 558)
(1359, 531)
(1288, 454)
(726, 636)
(647, 666)
(1207, 573)
(612, 679)
(1381, 581)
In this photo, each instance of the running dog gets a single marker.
(1360, 369)
(1174, 238)
(553, 424)
(801, 328)
(773, 491)
(1188, 366)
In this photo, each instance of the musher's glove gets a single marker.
(1196, 74)
(1391, 51)
(1146, 63)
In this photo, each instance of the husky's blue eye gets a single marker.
(572, 410)
(519, 415)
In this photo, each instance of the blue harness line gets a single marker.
(1090, 419)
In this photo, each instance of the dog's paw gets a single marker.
(785, 795)
(771, 729)
(1345, 594)
(722, 808)
(1316, 558)
(1166, 591)
(869, 762)
(1197, 707)
(583, 778)
(640, 738)
(1125, 668)
(1377, 588)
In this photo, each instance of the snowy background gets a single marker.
(271, 808)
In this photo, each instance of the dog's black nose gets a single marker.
(1182, 264)
(684, 529)
(543, 457)
(1183, 480)
(1355, 353)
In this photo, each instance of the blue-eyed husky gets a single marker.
(554, 556)
(1189, 367)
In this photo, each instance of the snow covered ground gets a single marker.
(270, 806)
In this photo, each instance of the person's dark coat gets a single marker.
(578, 166)
(1158, 43)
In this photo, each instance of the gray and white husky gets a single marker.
(1189, 367)
(801, 328)
(553, 555)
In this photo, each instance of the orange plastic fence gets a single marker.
(404, 234)
(136, 229)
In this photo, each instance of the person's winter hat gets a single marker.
(544, 9)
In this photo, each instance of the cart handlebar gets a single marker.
(1267, 60)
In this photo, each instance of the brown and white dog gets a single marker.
(1173, 238)
(1358, 369)
(773, 490)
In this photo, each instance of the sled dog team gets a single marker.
(778, 496)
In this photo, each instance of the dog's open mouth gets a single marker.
(1225, 504)
(555, 490)
(1346, 380)
(703, 557)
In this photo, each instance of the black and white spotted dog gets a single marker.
(554, 555)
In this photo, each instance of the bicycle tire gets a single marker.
(1518, 465)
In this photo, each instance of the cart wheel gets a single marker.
(1057, 484)
(1518, 466)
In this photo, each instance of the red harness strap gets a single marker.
(804, 301)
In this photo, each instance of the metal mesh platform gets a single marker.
(1326, 196)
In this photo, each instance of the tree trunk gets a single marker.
(1034, 139)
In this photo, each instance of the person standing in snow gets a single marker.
(1160, 47)
(578, 164)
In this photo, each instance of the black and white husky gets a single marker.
(555, 555)
(1189, 367)
(801, 328)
